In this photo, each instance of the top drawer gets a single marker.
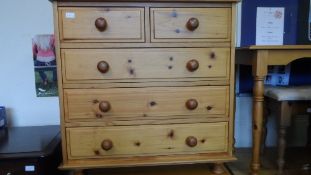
(190, 24)
(102, 24)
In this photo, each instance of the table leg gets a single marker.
(264, 128)
(258, 100)
(281, 149)
(309, 131)
(284, 117)
(260, 70)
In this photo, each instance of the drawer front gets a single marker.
(100, 142)
(194, 24)
(102, 24)
(114, 64)
(147, 103)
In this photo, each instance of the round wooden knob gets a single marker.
(103, 66)
(107, 144)
(191, 141)
(104, 106)
(192, 65)
(191, 104)
(101, 24)
(192, 24)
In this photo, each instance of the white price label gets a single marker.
(29, 168)
(70, 15)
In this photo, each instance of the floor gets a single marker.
(298, 162)
(194, 169)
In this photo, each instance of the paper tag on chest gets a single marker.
(70, 15)
(29, 168)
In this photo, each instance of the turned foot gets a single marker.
(218, 168)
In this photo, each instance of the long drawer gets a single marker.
(159, 102)
(190, 24)
(132, 64)
(107, 24)
(100, 142)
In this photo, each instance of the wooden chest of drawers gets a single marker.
(145, 83)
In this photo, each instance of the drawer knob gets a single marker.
(104, 106)
(101, 24)
(191, 141)
(192, 24)
(107, 144)
(103, 66)
(192, 104)
(192, 65)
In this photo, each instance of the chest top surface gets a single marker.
(146, 0)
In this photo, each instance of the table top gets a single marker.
(276, 47)
(34, 141)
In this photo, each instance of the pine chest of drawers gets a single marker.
(145, 83)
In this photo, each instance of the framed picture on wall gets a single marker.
(44, 59)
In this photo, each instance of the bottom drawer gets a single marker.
(100, 142)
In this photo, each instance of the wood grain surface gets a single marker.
(133, 64)
(123, 24)
(145, 102)
(146, 140)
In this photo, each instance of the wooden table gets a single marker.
(260, 57)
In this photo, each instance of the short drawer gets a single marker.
(190, 24)
(132, 64)
(100, 142)
(145, 103)
(106, 24)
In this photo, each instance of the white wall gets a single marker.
(20, 20)
(243, 124)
